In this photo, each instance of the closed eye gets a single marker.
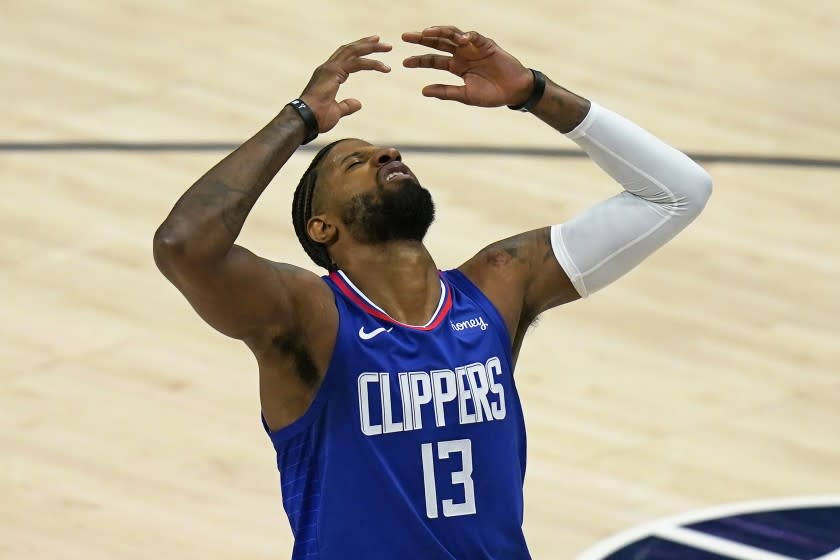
(355, 163)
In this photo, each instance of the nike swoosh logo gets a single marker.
(368, 335)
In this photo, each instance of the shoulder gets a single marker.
(507, 264)
(502, 270)
(305, 287)
(521, 276)
(310, 305)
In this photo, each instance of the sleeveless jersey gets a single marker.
(414, 445)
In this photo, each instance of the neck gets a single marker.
(400, 277)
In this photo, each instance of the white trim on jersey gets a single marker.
(369, 302)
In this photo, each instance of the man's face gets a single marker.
(373, 193)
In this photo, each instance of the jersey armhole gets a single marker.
(303, 423)
(321, 396)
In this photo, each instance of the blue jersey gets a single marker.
(414, 446)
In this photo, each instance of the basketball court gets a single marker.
(710, 375)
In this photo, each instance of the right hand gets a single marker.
(320, 93)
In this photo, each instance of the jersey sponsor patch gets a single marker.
(475, 322)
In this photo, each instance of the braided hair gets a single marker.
(302, 211)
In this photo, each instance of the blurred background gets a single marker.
(709, 375)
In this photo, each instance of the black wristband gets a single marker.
(310, 123)
(536, 93)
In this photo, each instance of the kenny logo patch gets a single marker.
(475, 322)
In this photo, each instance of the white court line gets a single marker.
(717, 545)
(615, 542)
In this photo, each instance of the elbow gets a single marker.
(167, 248)
(176, 248)
(697, 190)
(703, 186)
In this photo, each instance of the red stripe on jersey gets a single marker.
(365, 306)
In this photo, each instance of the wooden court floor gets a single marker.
(710, 375)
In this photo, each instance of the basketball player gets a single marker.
(387, 385)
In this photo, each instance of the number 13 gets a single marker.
(464, 477)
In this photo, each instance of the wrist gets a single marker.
(535, 91)
(560, 108)
(286, 128)
(307, 117)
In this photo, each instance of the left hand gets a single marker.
(492, 77)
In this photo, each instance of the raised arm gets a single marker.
(235, 291)
(663, 190)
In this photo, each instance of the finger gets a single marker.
(436, 61)
(364, 40)
(446, 32)
(412, 37)
(357, 64)
(355, 51)
(439, 43)
(450, 93)
(368, 39)
(362, 48)
(349, 106)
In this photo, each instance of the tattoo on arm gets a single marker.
(527, 254)
(211, 213)
(502, 254)
(231, 203)
(518, 250)
(561, 109)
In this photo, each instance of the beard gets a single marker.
(400, 213)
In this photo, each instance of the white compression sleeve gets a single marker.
(664, 190)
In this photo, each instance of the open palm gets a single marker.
(492, 77)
